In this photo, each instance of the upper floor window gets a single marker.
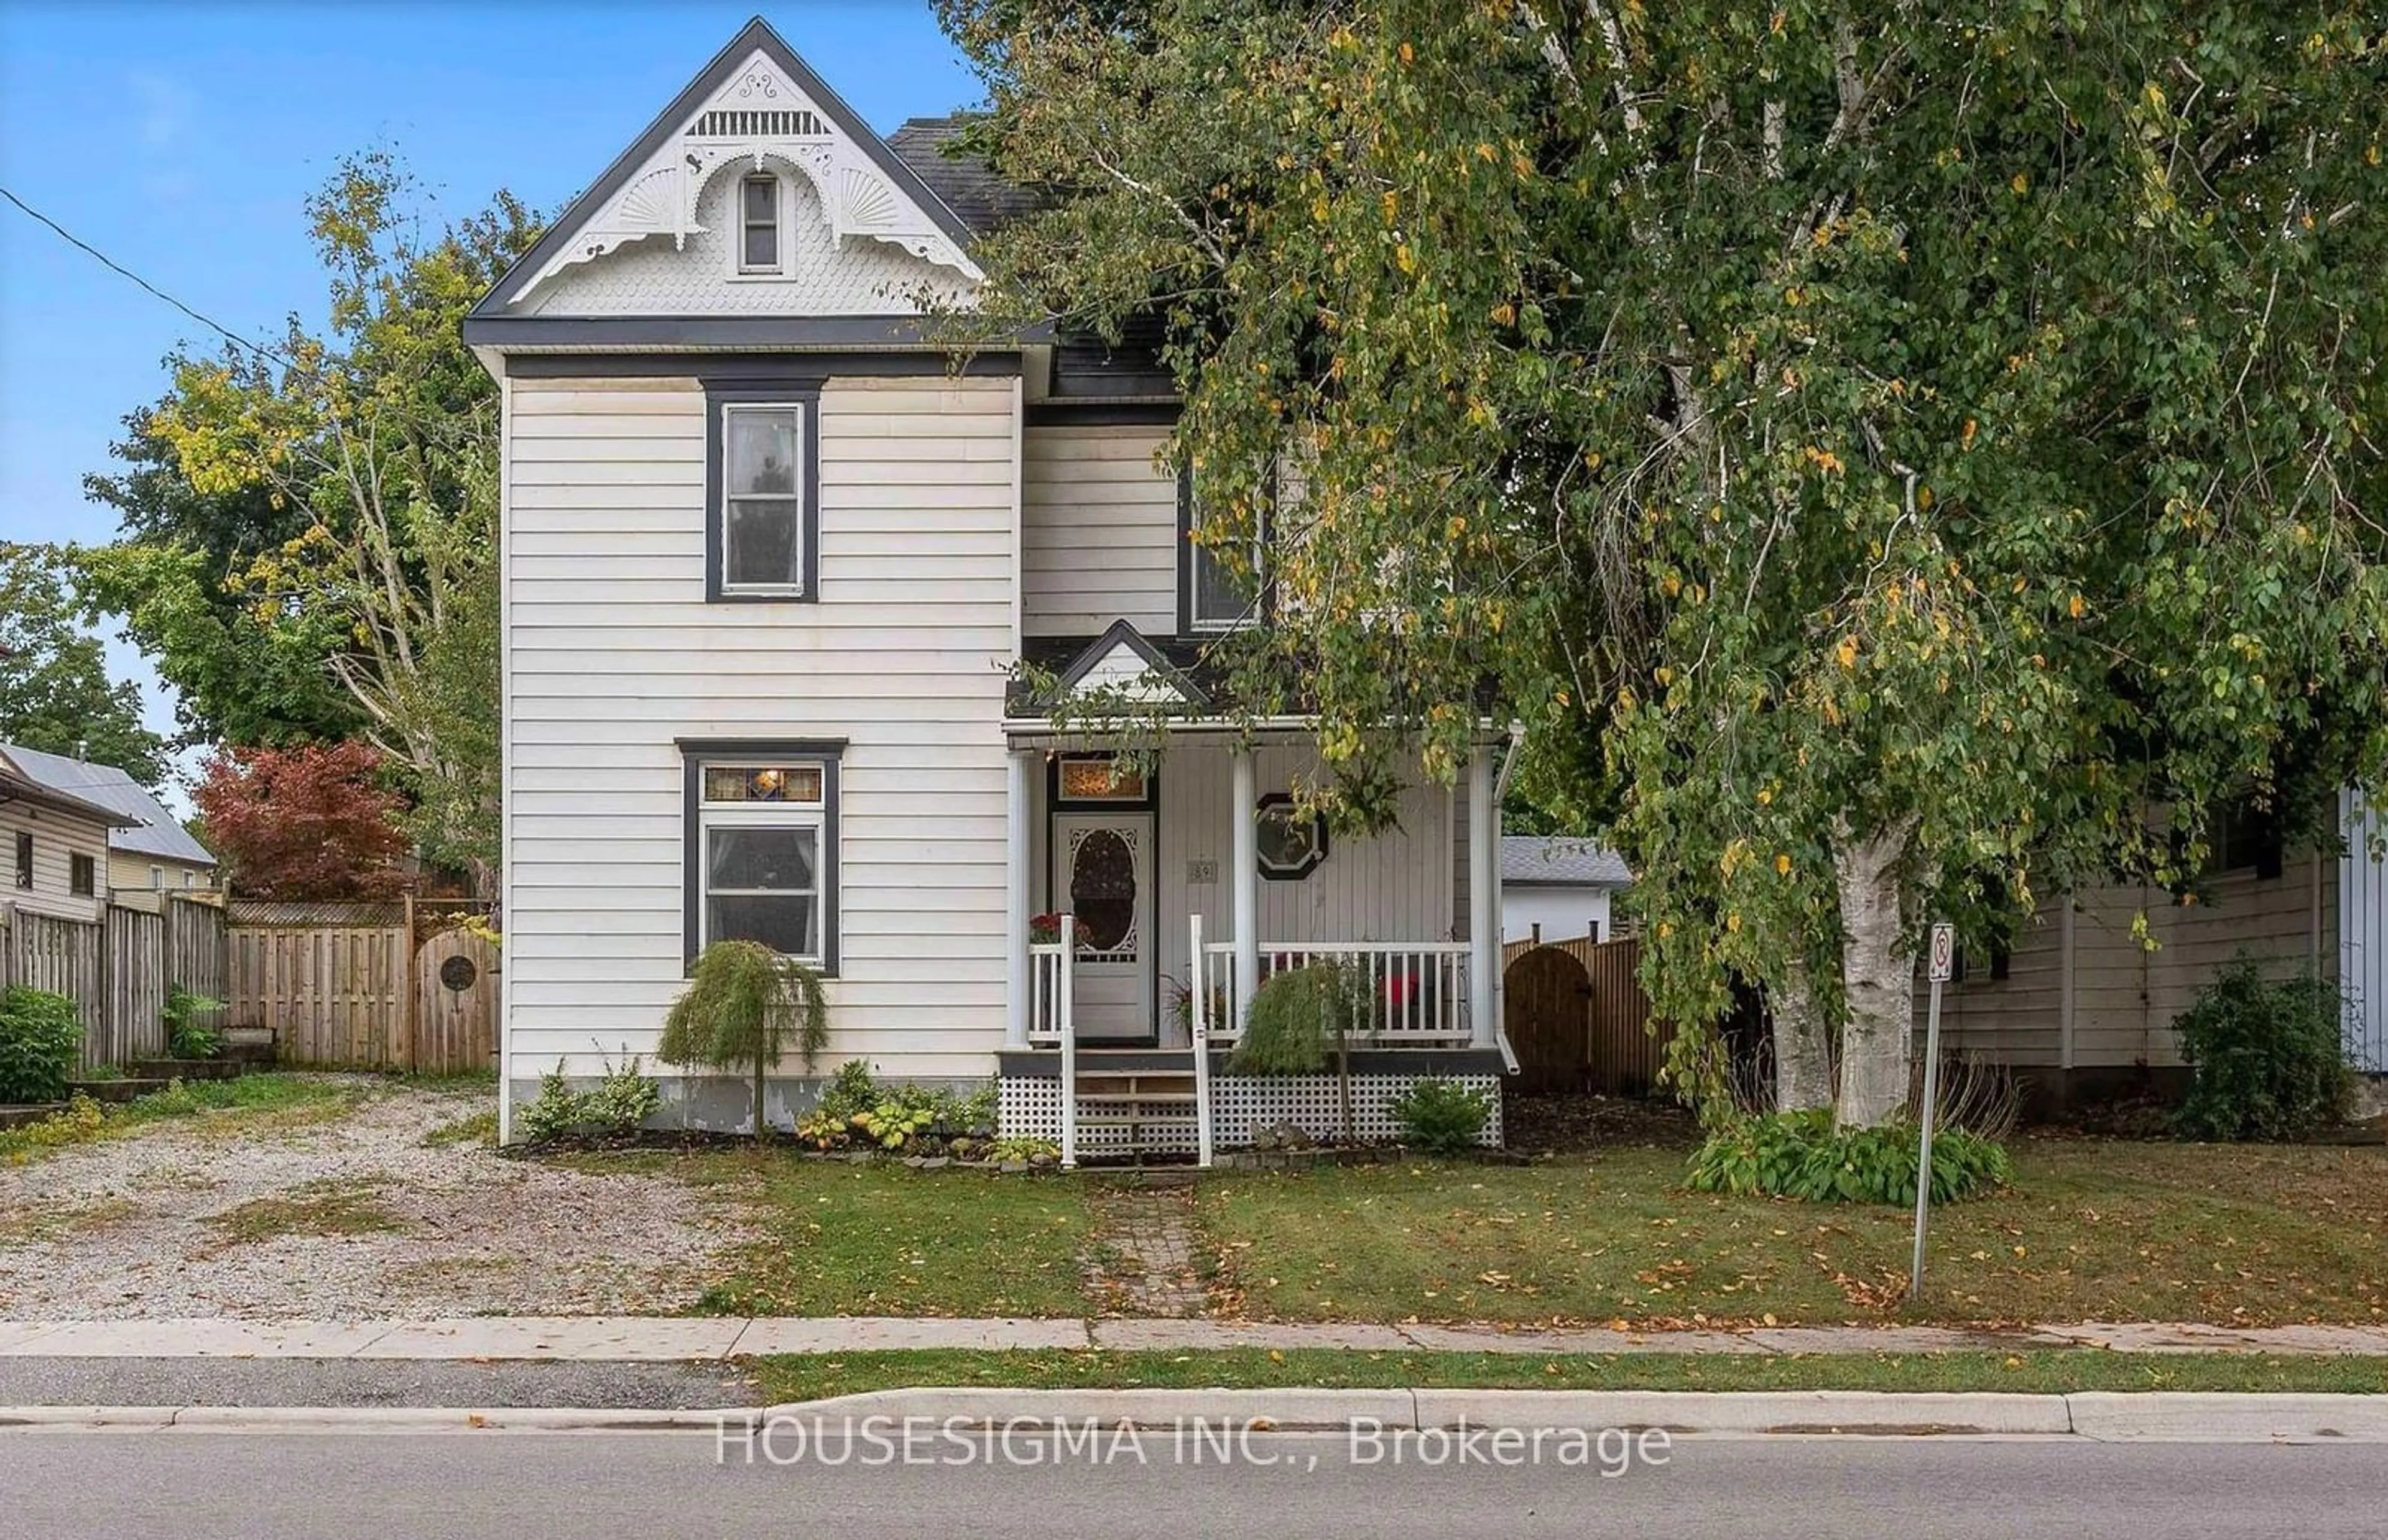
(761, 480)
(1220, 584)
(758, 224)
(24, 860)
(83, 876)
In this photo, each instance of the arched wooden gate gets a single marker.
(1547, 1011)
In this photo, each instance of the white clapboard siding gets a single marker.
(613, 654)
(2126, 994)
(58, 839)
(1099, 538)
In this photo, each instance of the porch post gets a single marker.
(1483, 899)
(1246, 886)
(1017, 818)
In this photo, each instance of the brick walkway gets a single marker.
(1144, 1256)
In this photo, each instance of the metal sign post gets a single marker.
(1943, 968)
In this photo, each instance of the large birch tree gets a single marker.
(1892, 459)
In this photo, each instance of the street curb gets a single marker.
(2120, 1417)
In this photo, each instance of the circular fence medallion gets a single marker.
(458, 973)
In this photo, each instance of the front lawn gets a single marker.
(2091, 1231)
(851, 1240)
(813, 1376)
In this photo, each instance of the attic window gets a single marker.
(758, 224)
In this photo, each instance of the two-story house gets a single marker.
(56, 844)
(773, 563)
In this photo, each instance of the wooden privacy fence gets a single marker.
(1578, 1019)
(117, 970)
(366, 986)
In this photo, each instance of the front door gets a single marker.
(1104, 875)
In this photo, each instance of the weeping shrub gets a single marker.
(1295, 1021)
(1804, 1154)
(742, 1002)
(2266, 1056)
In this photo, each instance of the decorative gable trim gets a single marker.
(1122, 659)
(757, 102)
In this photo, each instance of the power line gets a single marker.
(121, 270)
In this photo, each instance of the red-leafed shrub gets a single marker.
(303, 823)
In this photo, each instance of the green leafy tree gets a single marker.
(743, 1002)
(1893, 461)
(55, 692)
(239, 675)
(380, 437)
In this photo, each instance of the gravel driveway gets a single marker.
(348, 1216)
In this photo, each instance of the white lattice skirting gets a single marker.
(1030, 1108)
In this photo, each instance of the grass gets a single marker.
(479, 1127)
(811, 1376)
(249, 1104)
(2091, 1231)
(840, 1239)
(316, 1210)
(52, 1221)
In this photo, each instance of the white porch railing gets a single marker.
(1416, 991)
(1045, 992)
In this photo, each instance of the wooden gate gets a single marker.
(1586, 1017)
(456, 1003)
(1546, 1010)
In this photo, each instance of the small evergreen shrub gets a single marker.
(1441, 1116)
(1294, 1021)
(40, 1038)
(2267, 1056)
(1806, 1156)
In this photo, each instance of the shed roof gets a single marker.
(1562, 860)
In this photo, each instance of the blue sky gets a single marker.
(182, 138)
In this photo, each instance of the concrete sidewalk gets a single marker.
(635, 1339)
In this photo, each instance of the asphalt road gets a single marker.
(192, 1485)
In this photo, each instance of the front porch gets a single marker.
(1182, 879)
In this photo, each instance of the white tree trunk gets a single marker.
(1803, 1043)
(1878, 975)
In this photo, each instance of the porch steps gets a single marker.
(1124, 1099)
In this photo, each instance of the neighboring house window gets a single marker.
(758, 224)
(1288, 844)
(24, 861)
(83, 876)
(762, 847)
(1219, 587)
(762, 476)
(156, 878)
(190, 879)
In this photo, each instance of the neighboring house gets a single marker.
(55, 845)
(790, 596)
(2082, 1006)
(151, 852)
(1556, 887)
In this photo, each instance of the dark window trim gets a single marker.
(1149, 803)
(731, 368)
(794, 391)
(1052, 414)
(1254, 614)
(24, 858)
(830, 754)
(82, 876)
(1318, 841)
